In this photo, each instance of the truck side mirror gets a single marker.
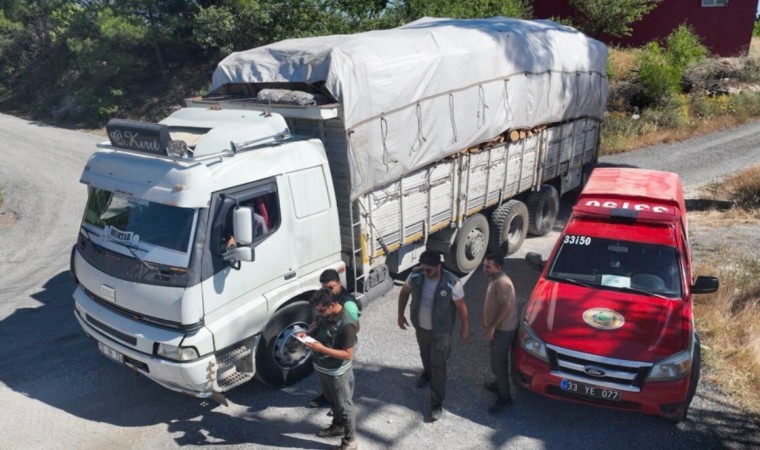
(242, 225)
(535, 260)
(705, 285)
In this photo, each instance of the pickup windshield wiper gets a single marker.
(640, 291)
(574, 281)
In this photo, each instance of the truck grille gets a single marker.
(594, 369)
(111, 331)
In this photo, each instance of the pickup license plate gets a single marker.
(590, 391)
(111, 353)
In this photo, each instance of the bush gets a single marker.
(659, 78)
(661, 68)
(745, 105)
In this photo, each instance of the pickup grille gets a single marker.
(615, 373)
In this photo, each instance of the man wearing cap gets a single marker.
(437, 298)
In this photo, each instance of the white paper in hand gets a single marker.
(306, 339)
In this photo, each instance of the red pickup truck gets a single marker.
(610, 321)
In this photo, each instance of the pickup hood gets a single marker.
(653, 328)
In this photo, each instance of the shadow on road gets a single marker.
(45, 356)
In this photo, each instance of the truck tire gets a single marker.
(470, 245)
(281, 360)
(543, 206)
(509, 225)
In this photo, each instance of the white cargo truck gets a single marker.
(205, 234)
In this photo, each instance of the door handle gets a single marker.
(290, 275)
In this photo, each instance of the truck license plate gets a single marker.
(111, 353)
(590, 391)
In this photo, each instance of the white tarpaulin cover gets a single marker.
(415, 94)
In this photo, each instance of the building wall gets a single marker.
(725, 30)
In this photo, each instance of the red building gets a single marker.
(725, 27)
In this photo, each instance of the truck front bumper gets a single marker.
(108, 329)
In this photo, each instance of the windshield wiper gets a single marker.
(640, 291)
(145, 263)
(575, 282)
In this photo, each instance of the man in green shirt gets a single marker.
(331, 280)
(334, 338)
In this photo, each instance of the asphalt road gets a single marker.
(57, 391)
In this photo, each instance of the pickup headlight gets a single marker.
(672, 368)
(530, 342)
(177, 353)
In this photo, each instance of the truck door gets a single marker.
(234, 298)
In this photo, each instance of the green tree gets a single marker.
(464, 9)
(611, 17)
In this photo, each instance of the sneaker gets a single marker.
(436, 411)
(423, 380)
(492, 386)
(347, 445)
(331, 431)
(500, 404)
(318, 401)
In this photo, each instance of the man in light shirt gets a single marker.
(437, 298)
(500, 323)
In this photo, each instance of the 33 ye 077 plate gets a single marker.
(590, 391)
(111, 353)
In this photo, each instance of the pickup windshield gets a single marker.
(618, 265)
(131, 220)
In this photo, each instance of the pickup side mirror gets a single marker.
(242, 225)
(705, 285)
(535, 261)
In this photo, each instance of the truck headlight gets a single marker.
(530, 342)
(177, 353)
(671, 368)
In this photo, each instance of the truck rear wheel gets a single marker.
(509, 225)
(543, 206)
(281, 359)
(470, 246)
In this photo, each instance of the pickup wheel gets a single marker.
(281, 359)
(543, 206)
(509, 225)
(696, 364)
(470, 245)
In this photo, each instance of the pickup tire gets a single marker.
(470, 245)
(509, 226)
(696, 365)
(543, 206)
(281, 359)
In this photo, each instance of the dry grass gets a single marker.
(729, 320)
(620, 62)
(729, 324)
(754, 47)
(624, 144)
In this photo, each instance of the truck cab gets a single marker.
(201, 240)
(610, 321)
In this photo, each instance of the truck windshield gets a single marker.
(621, 265)
(130, 220)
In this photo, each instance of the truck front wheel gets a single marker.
(470, 245)
(543, 206)
(509, 225)
(281, 359)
